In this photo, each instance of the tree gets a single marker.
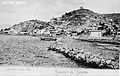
(115, 30)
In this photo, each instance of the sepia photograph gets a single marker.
(59, 37)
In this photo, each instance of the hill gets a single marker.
(29, 26)
(81, 19)
(76, 20)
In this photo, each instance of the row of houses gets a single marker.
(42, 31)
(34, 32)
(91, 31)
(11, 31)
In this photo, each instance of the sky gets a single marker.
(15, 11)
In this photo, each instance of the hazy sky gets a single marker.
(14, 11)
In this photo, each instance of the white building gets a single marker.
(95, 33)
(39, 32)
(13, 31)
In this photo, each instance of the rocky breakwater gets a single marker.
(85, 58)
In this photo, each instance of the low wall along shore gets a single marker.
(85, 58)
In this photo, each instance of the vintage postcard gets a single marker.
(59, 37)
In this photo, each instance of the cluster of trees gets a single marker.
(111, 30)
